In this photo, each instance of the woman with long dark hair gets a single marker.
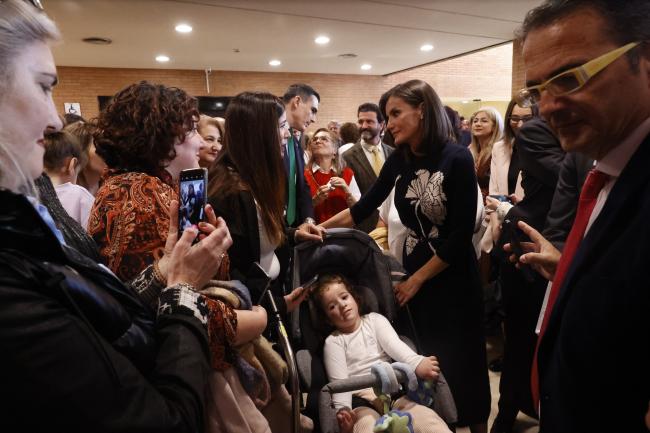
(435, 196)
(247, 188)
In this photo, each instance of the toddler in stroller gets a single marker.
(357, 343)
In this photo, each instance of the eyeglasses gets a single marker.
(517, 119)
(572, 80)
(321, 138)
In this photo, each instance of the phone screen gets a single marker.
(193, 190)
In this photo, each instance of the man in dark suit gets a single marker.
(301, 104)
(592, 359)
(367, 156)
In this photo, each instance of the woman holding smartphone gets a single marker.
(147, 135)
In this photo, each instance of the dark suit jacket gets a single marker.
(540, 156)
(240, 214)
(304, 206)
(573, 173)
(356, 159)
(595, 355)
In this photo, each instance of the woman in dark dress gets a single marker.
(435, 195)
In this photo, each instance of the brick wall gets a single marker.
(485, 75)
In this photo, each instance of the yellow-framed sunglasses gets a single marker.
(571, 80)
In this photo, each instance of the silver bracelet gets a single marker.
(310, 220)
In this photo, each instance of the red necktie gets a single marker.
(593, 184)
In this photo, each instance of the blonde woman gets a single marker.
(211, 130)
(487, 129)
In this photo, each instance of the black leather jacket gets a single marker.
(79, 351)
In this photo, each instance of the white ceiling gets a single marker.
(385, 34)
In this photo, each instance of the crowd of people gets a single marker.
(114, 320)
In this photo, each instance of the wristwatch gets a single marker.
(310, 220)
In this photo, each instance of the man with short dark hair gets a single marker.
(301, 104)
(367, 156)
(587, 66)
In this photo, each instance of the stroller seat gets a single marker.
(355, 255)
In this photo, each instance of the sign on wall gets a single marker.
(72, 108)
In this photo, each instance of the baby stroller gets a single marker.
(355, 255)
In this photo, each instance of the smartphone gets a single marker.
(309, 285)
(192, 199)
(500, 197)
(513, 233)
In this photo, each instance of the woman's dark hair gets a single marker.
(508, 133)
(324, 282)
(436, 126)
(455, 123)
(139, 127)
(59, 146)
(250, 158)
(349, 133)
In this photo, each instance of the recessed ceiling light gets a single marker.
(465, 102)
(183, 28)
(322, 40)
(97, 40)
(162, 58)
(366, 67)
(426, 47)
(275, 63)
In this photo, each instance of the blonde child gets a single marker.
(358, 342)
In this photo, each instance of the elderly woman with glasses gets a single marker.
(333, 188)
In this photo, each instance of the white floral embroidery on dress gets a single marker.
(427, 195)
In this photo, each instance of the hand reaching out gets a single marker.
(295, 298)
(309, 232)
(346, 419)
(428, 369)
(540, 254)
(405, 290)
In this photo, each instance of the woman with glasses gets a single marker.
(81, 352)
(505, 178)
(332, 188)
(487, 129)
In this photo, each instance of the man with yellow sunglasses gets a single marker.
(587, 65)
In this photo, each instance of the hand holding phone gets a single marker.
(510, 227)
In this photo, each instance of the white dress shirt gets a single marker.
(367, 149)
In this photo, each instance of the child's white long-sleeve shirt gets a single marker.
(353, 354)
